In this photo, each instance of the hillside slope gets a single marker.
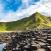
(34, 21)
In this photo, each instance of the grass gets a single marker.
(34, 21)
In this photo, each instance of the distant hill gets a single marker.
(34, 21)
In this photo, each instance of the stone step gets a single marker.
(49, 47)
(49, 39)
(49, 34)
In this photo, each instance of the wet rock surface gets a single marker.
(37, 40)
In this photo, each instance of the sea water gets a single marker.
(2, 46)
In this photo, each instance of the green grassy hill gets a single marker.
(34, 21)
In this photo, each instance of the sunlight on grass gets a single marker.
(49, 24)
(36, 20)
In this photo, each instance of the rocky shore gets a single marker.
(37, 40)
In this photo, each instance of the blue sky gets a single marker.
(14, 5)
(12, 10)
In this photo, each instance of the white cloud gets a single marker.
(11, 16)
(1, 11)
(43, 7)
